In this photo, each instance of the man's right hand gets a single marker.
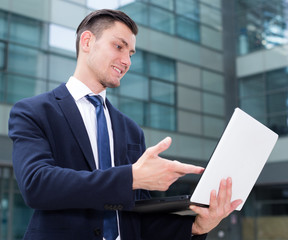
(152, 172)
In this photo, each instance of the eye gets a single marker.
(118, 46)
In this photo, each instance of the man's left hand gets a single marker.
(219, 208)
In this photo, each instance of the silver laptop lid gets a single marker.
(240, 154)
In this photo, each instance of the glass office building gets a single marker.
(261, 63)
(196, 61)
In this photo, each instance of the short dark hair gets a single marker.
(100, 20)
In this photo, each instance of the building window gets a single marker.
(18, 87)
(25, 31)
(137, 110)
(2, 55)
(62, 38)
(161, 67)
(162, 117)
(162, 92)
(161, 20)
(180, 18)
(27, 61)
(168, 4)
(135, 86)
(3, 25)
(187, 28)
(14, 213)
(2, 87)
(60, 67)
(139, 62)
(260, 25)
(188, 9)
(265, 96)
(138, 11)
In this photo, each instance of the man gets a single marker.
(57, 157)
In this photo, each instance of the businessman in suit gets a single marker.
(57, 157)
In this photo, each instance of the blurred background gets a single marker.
(196, 61)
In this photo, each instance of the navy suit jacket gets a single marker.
(55, 170)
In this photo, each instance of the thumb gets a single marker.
(161, 146)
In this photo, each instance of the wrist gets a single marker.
(135, 184)
(195, 229)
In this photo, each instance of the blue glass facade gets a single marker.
(176, 85)
(265, 96)
(163, 93)
(261, 24)
(261, 33)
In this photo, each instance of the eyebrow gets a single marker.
(133, 51)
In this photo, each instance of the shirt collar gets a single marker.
(79, 90)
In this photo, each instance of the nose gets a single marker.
(126, 60)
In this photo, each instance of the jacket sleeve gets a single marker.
(45, 183)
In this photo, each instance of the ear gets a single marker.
(85, 41)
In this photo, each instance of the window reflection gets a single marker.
(163, 92)
(2, 87)
(138, 11)
(161, 67)
(60, 67)
(252, 85)
(169, 4)
(161, 20)
(27, 61)
(2, 55)
(265, 96)
(135, 109)
(188, 29)
(188, 9)
(25, 31)
(62, 37)
(261, 25)
(134, 85)
(277, 79)
(19, 87)
(138, 62)
(183, 21)
(3, 25)
(162, 117)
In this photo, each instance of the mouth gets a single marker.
(117, 70)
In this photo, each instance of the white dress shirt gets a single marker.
(79, 90)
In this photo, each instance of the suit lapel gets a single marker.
(75, 121)
(119, 136)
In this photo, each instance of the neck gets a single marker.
(84, 76)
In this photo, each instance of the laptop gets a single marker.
(240, 154)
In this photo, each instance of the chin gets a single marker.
(113, 85)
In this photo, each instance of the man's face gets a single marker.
(110, 56)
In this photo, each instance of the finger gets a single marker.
(229, 190)
(161, 146)
(183, 168)
(222, 193)
(213, 204)
(235, 204)
(227, 201)
(197, 209)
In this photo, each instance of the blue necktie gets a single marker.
(110, 227)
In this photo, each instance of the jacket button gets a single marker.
(97, 231)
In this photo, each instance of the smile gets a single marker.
(118, 70)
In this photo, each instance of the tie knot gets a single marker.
(96, 100)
